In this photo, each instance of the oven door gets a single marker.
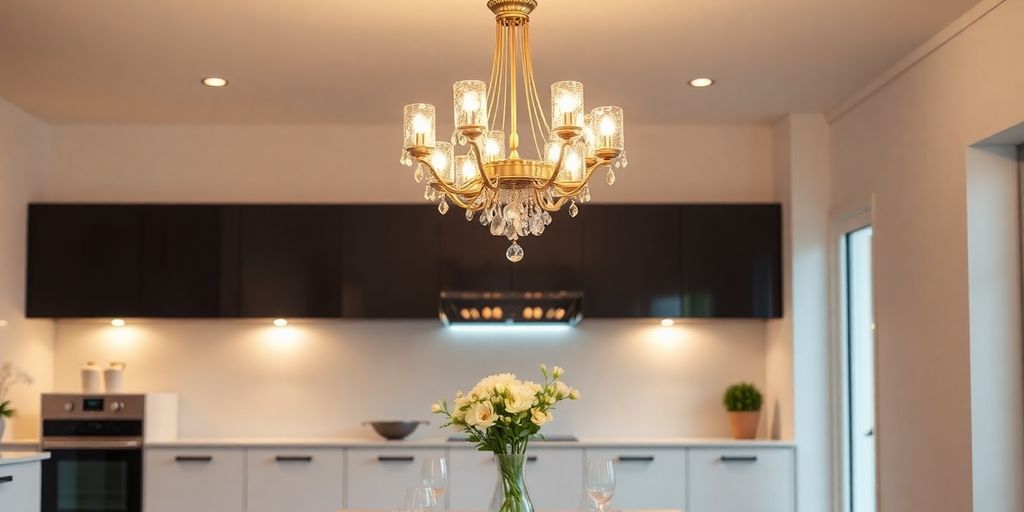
(92, 478)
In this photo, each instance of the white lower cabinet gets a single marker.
(286, 480)
(741, 480)
(554, 478)
(201, 480)
(20, 487)
(646, 478)
(378, 478)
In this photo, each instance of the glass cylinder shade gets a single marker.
(470, 103)
(419, 122)
(573, 163)
(465, 170)
(567, 104)
(494, 146)
(607, 125)
(442, 158)
(589, 137)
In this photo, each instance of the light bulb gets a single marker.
(420, 124)
(280, 322)
(439, 160)
(554, 151)
(588, 134)
(471, 102)
(607, 126)
(567, 102)
(491, 147)
(668, 322)
(468, 170)
(117, 322)
(573, 164)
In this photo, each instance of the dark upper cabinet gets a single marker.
(189, 261)
(290, 261)
(471, 258)
(630, 261)
(554, 260)
(84, 261)
(731, 261)
(391, 261)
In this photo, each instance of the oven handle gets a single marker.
(94, 445)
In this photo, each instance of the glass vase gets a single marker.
(510, 493)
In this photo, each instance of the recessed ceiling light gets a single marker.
(117, 322)
(668, 322)
(702, 82)
(214, 81)
(280, 322)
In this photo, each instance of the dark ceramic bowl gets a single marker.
(395, 430)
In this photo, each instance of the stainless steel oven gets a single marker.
(95, 444)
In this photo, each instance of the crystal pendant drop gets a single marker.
(469, 215)
(610, 177)
(514, 252)
(442, 207)
(574, 210)
(418, 175)
(547, 218)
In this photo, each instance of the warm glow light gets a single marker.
(468, 170)
(117, 322)
(280, 322)
(214, 81)
(420, 124)
(702, 82)
(439, 160)
(567, 102)
(471, 102)
(607, 126)
(554, 151)
(573, 163)
(668, 322)
(3, 323)
(491, 147)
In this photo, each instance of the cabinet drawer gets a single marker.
(204, 480)
(19, 487)
(646, 478)
(741, 480)
(554, 478)
(310, 480)
(378, 478)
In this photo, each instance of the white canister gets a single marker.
(114, 377)
(92, 378)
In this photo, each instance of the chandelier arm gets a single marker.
(440, 183)
(465, 205)
(566, 191)
(473, 148)
(558, 169)
(548, 207)
(533, 86)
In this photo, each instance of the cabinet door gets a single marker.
(731, 264)
(84, 261)
(291, 261)
(471, 258)
(310, 480)
(554, 260)
(554, 478)
(378, 478)
(189, 256)
(20, 488)
(205, 480)
(630, 261)
(646, 478)
(741, 480)
(391, 261)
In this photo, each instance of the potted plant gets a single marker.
(9, 376)
(743, 402)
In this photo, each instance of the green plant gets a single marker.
(6, 411)
(742, 397)
(9, 377)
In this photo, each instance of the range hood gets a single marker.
(564, 308)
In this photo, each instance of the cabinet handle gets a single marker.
(531, 458)
(193, 458)
(294, 458)
(746, 458)
(397, 458)
(636, 458)
(6, 479)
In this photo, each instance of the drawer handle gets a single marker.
(6, 479)
(396, 458)
(531, 458)
(193, 458)
(731, 458)
(636, 458)
(294, 458)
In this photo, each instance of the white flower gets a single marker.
(557, 372)
(561, 390)
(574, 394)
(436, 408)
(520, 398)
(539, 417)
(481, 416)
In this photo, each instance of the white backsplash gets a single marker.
(323, 378)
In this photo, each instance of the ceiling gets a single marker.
(343, 61)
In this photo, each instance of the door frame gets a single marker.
(843, 223)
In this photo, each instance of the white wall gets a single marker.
(240, 378)
(907, 143)
(24, 150)
(328, 163)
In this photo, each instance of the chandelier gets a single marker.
(514, 196)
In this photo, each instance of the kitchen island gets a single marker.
(20, 483)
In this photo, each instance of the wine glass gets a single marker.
(435, 477)
(418, 499)
(600, 482)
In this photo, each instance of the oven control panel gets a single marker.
(67, 406)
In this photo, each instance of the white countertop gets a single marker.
(443, 443)
(7, 458)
